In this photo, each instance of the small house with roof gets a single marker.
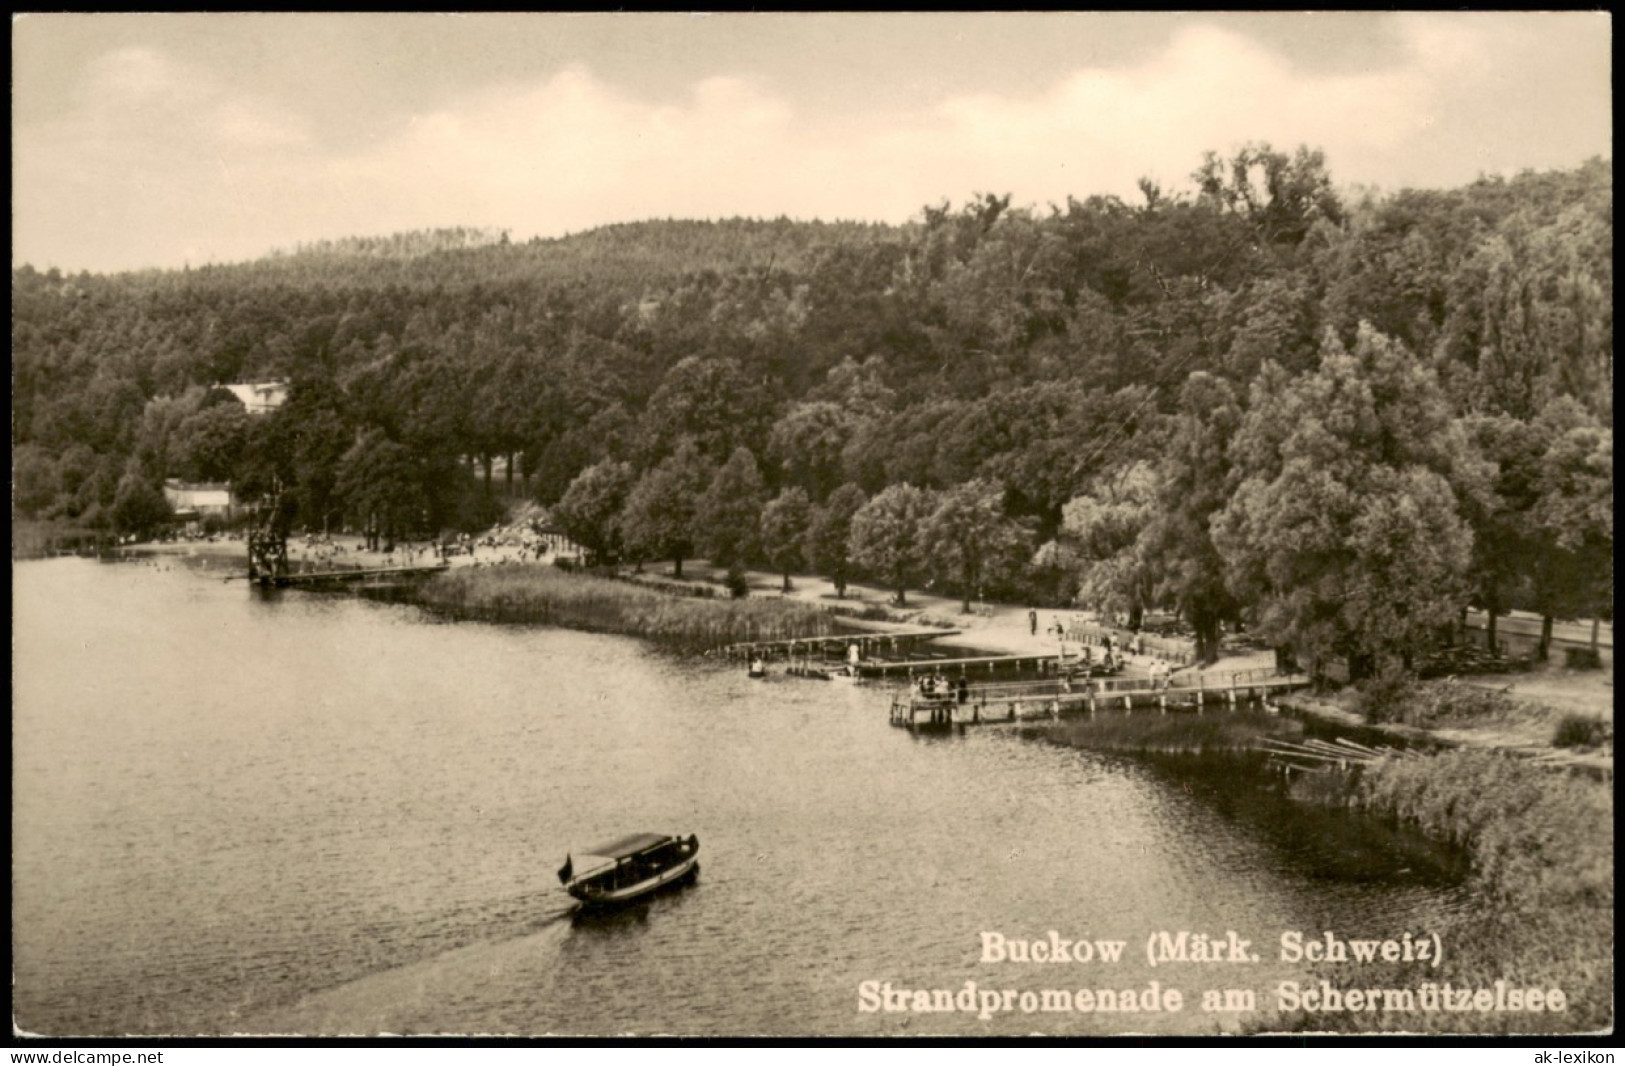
(261, 398)
(193, 501)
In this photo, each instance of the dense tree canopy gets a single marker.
(1340, 418)
(728, 515)
(888, 535)
(785, 521)
(658, 521)
(1343, 525)
(828, 544)
(968, 533)
(590, 512)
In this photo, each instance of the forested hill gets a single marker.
(1139, 386)
(627, 257)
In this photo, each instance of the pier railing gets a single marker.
(834, 646)
(1217, 681)
(1051, 698)
(1090, 635)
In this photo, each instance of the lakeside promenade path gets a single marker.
(1007, 629)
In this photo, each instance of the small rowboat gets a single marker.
(630, 868)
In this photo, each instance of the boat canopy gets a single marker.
(631, 845)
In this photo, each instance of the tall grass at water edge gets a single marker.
(37, 539)
(1181, 733)
(1541, 891)
(1537, 900)
(547, 596)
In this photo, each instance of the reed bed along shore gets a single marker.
(1536, 843)
(1540, 844)
(548, 596)
(38, 539)
(1183, 733)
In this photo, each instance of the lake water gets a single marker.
(238, 811)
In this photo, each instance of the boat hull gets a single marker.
(593, 896)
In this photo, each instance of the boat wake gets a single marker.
(387, 998)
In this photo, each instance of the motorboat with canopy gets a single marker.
(628, 868)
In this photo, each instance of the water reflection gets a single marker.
(286, 812)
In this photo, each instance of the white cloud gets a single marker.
(572, 152)
(1100, 130)
(257, 124)
(131, 76)
(162, 157)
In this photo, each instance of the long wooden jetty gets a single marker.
(868, 643)
(321, 577)
(1041, 700)
(890, 653)
(882, 667)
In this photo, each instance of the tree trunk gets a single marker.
(1286, 660)
(1596, 625)
(902, 597)
(1489, 629)
(840, 587)
(1207, 642)
(678, 572)
(1543, 650)
(508, 477)
(1136, 616)
(485, 461)
(786, 581)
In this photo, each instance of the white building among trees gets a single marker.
(261, 398)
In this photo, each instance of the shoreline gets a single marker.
(1406, 801)
(1006, 629)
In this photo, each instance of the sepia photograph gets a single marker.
(812, 526)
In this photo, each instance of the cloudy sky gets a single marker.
(158, 140)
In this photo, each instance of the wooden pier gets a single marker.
(833, 649)
(882, 667)
(1048, 700)
(747, 648)
(892, 654)
(362, 574)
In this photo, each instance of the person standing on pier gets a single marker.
(1032, 620)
